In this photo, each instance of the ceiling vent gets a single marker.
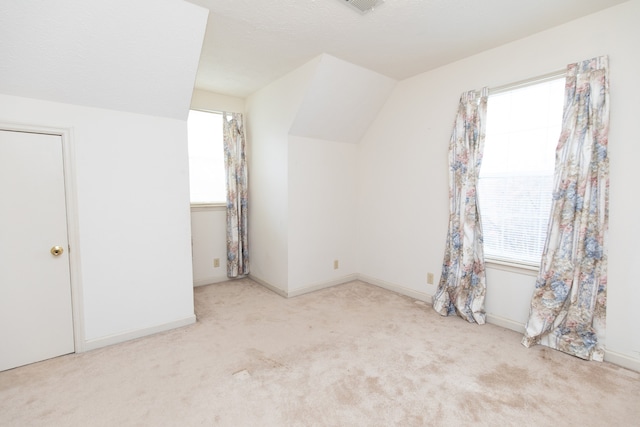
(363, 6)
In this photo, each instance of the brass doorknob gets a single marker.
(57, 250)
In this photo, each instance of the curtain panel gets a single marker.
(462, 286)
(569, 301)
(237, 180)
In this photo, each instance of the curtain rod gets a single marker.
(203, 110)
(524, 83)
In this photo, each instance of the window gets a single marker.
(516, 178)
(206, 158)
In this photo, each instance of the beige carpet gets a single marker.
(352, 355)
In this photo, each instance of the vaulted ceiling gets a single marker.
(137, 56)
(250, 43)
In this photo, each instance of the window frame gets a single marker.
(510, 264)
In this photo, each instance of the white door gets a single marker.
(36, 320)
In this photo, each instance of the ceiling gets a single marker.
(120, 55)
(250, 43)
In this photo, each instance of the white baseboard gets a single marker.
(321, 285)
(138, 333)
(421, 296)
(305, 289)
(210, 280)
(505, 323)
(622, 360)
(612, 357)
(268, 285)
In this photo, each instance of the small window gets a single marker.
(206, 158)
(516, 178)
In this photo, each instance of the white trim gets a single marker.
(428, 298)
(73, 228)
(345, 279)
(503, 322)
(138, 333)
(205, 207)
(205, 110)
(73, 232)
(613, 357)
(305, 289)
(528, 270)
(422, 296)
(269, 286)
(554, 75)
(623, 360)
(493, 319)
(210, 280)
(321, 285)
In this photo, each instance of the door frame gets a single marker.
(73, 230)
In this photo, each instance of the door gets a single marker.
(36, 320)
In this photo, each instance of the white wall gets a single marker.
(341, 101)
(322, 211)
(133, 213)
(270, 113)
(119, 76)
(303, 172)
(403, 195)
(208, 242)
(208, 224)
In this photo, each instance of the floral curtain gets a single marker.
(462, 285)
(569, 301)
(237, 179)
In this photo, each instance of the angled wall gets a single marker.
(340, 103)
(270, 113)
(119, 76)
(303, 131)
(139, 57)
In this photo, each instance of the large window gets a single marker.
(516, 177)
(206, 158)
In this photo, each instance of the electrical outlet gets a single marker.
(336, 264)
(430, 278)
(216, 262)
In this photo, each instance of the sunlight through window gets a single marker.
(206, 158)
(516, 177)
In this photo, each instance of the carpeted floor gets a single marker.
(352, 355)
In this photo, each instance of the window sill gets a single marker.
(526, 269)
(206, 207)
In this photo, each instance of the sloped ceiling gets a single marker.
(137, 56)
(252, 43)
(341, 101)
